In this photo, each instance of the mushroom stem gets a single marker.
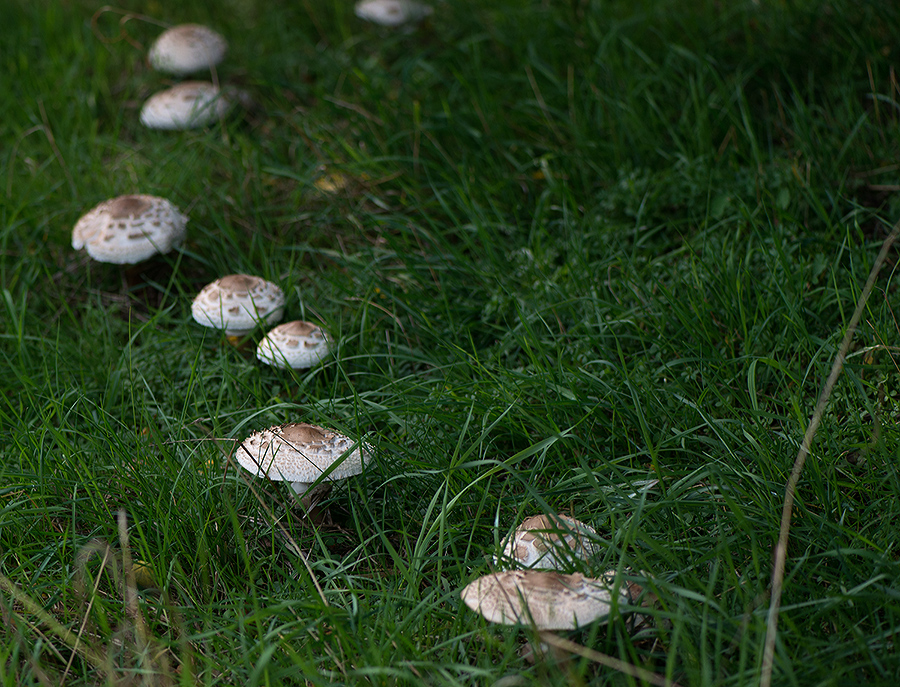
(131, 276)
(140, 277)
(551, 648)
(543, 648)
(310, 497)
(238, 340)
(300, 488)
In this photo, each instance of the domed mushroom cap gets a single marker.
(187, 48)
(296, 344)
(188, 105)
(237, 302)
(129, 229)
(550, 542)
(550, 600)
(299, 452)
(391, 12)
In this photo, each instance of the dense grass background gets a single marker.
(579, 246)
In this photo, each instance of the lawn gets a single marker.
(575, 256)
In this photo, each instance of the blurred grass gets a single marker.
(580, 246)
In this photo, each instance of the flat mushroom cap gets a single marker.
(391, 12)
(129, 229)
(299, 452)
(549, 600)
(550, 542)
(296, 344)
(188, 105)
(237, 302)
(187, 48)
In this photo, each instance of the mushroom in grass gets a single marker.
(187, 48)
(545, 600)
(237, 303)
(298, 345)
(188, 105)
(552, 542)
(129, 229)
(391, 12)
(301, 454)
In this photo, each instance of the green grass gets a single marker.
(584, 245)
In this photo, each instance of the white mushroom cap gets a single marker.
(187, 48)
(391, 12)
(300, 453)
(188, 105)
(296, 344)
(129, 229)
(549, 600)
(550, 542)
(237, 302)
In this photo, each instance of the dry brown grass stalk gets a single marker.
(791, 488)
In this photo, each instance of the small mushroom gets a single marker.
(129, 229)
(237, 302)
(301, 453)
(296, 344)
(187, 48)
(188, 105)
(549, 541)
(391, 12)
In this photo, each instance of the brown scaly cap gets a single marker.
(188, 105)
(296, 344)
(187, 48)
(548, 600)
(300, 452)
(237, 302)
(549, 542)
(129, 229)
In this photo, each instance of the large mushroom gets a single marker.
(545, 600)
(129, 229)
(237, 303)
(297, 345)
(301, 454)
(187, 48)
(188, 105)
(551, 542)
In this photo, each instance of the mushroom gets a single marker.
(550, 542)
(237, 302)
(545, 600)
(296, 344)
(188, 105)
(129, 229)
(301, 454)
(187, 48)
(391, 12)
(549, 600)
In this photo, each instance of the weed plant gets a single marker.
(591, 257)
